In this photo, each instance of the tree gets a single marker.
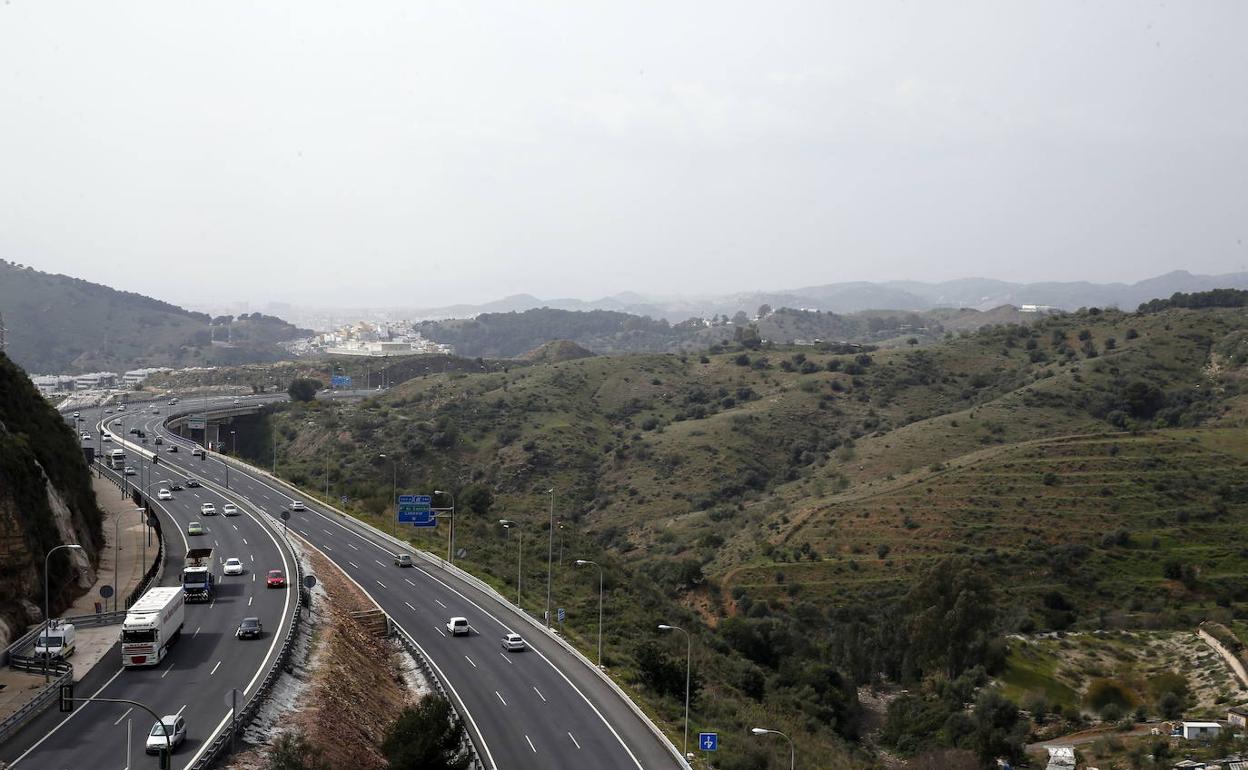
(427, 736)
(291, 751)
(304, 389)
(764, 310)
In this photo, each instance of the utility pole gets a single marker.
(550, 553)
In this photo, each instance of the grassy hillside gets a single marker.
(826, 518)
(57, 324)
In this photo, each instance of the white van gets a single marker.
(56, 642)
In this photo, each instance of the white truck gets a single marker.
(117, 459)
(198, 581)
(152, 626)
(56, 642)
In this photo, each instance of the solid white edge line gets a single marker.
(64, 721)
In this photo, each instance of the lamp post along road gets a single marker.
(509, 525)
(582, 563)
(450, 540)
(47, 603)
(792, 749)
(688, 661)
(550, 553)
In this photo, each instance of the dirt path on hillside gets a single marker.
(1231, 659)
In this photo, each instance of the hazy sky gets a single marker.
(422, 153)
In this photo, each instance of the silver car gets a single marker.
(156, 738)
(513, 643)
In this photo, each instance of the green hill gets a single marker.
(56, 323)
(826, 517)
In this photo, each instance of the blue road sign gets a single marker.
(708, 741)
(416, 510)
(562, 614)
(339, 381)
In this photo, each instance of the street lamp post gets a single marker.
(550, 553)
(586, 562)
(688, 661)
(508, 524)
(792, 749)
(450, 541)
(394, 492)
(47, 604)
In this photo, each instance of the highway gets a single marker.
(541, 708)
(199, 670)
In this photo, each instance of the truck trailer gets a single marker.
(198, 581)
(117, 459)
(152, 626)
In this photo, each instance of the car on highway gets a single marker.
(192, 482)
(176, 487)
(121, 407)
(76, 415)
(155, 410)
(173, 447)
(297, 505)
(513, 643)
(169, 731)
(164, 494)
(158, 441)
(108, 439)
(130, 471)
(275, 579)
(229, 509)
(458, 626)
(173, 402)
(135, 431)
(233, 566)
(250, 628)
(207, 509)
(402, 560)
(194, 528)
(236, 402)
(108, 411)
(86, 436)
(197, 451)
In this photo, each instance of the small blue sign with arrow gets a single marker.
(708, 741)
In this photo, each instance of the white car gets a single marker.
(130, 471)
(117, 421)
(229, 509)
(76, 414)
(297, 505)
(233, 566)
(162, 736)
(108, 439)
(513, 643)
(86, 437)
(155, 410)
(207, 509)
(164, 494)
(173, 401)
(121, 407)
(197, 451)
(458, 626)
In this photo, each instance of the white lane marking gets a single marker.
(326, 548)
(253, 577)
(539, 693)
(410, 583)
(383, 585)
(215, 543)
(123, 716)
(214, 668)
(527, 738)
(440, 604)
(162, 676)
(179, 711)
(196, 632)
(573, 737)
(235, 526)
(500, 698)
(474, 665)
(249, 598)
(353, 564)
(379, 563)
(439, 630)
(506, 658)
(353, 545)
(244, 539)
(409, 606)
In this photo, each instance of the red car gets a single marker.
(275, 579)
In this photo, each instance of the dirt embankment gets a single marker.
(355, 689)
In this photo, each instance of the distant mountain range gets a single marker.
(973, 293)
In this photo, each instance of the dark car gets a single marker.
(135, 431)
(192, 483)
(173, 447)
(175, 487)
(250, 628)
(158, 441)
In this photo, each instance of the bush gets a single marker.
(291, 751)
(427, 736)
(304, 389)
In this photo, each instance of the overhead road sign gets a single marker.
(416, 510)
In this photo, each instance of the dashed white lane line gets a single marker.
(353, 564)
(440, 604)
(353, 545)
(439, 630)
(244, 539)
(474, 665)
(500, 698)
(539, 693)
(379, 563)
(410, 583)
(573, 737)
(409, 606)
(253, 557)
(253, 577)
(326, 531)
(214, 668)
(235, 526)
(507, 659)
(196, 632)
(123, 716)
(179, 711)
(383, 585)
(526, 737)
(249, 598)
(167, 670)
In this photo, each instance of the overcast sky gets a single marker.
(422, 153)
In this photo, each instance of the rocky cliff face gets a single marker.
(45, 501)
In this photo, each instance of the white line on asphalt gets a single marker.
(326, 531)
(410, 583)
(440, 604)
(506, 658)
(500, 698)
(214, 542)
(383, 585)
(379, 563)
(123, 716)
(235, 526)
(214, 668)
(249, 598)
(244, 541)
(196, 633)
(573, 737)
(253, 577)
(526, 737)
(75, 713)
(539, 693)
(179, 711)
(474, 665)
(353, 564)
(353, 545)
(409, 606)
(326, 548)
(439, 630)
(162, 676)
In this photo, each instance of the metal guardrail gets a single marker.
(430, 674)
(41, 701)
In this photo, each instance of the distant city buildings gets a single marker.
(367, 338)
